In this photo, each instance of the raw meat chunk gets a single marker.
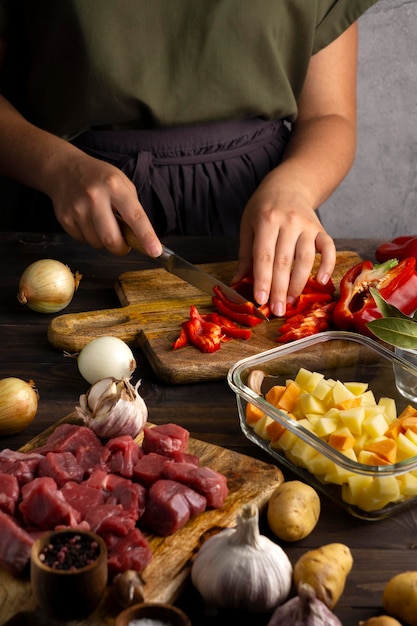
(22, 465)
(167, 439)
(9, 493)
(206, 481)
(15, 545)
(132, 496)
(82, 497)
(70, 437)
(44, 506)
(124, 453)
(61, 466)
(150, 468)
(92, 459)
(130, 552)
(109, 518)
(169, 507)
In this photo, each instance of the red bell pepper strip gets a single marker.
(182, 339)
(399, 248)
(313, 286)
(245, 319)
(315, 320)
(395, 281)
(305, 302)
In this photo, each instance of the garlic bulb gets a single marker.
(240, 568)
(128, 588)
(113, 407)
(304, 610)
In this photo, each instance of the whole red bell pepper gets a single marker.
(399, 248)
(395, 281)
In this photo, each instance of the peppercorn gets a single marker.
(68, 551)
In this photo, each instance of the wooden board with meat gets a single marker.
(154, 304)
(66, 476)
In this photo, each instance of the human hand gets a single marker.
(279, 237)
(87, 192)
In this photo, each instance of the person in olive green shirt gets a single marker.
(193, 117)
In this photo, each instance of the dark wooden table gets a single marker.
(208, 410)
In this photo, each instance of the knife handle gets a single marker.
(129, 235)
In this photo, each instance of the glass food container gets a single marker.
(312, 441)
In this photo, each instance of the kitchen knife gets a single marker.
(187, 271)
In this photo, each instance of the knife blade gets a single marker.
(188, 272)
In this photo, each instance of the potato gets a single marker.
(400, 597)
(381, 620)
(326, 570)
(293, 510)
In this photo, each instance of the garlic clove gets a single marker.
(128, 588)
(101, 389)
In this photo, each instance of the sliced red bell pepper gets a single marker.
(313, 286)
(305, 302)
(245, 319)
(399, 248)
(182, 339)
(207, 331)
(318, 318)
(395, 281)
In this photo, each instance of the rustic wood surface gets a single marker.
(208, 410)
(155, 303)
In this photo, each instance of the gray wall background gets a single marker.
(378, 198)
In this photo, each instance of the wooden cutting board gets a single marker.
(154, 303)
(249, 481)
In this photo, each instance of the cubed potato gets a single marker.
(375, 425)
(353, 419)
(340, 393)
(260, 426)
(390, 408)
(356, 387)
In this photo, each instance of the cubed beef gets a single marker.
(206, 481)
(169, 507)
(131, 552)
(124, 453)
(82, 497)
(9, 493)
(61, 466)
(70, 437)
(150, 468)
(22, 465)
(132, 496)
(98, 480)
(15, 545)
(44, 506)
(109, 518)
(167, 439)
(93, 458)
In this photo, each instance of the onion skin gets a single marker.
(47, 286)
(18, 405)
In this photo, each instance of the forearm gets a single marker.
(27, 153)
(320, 153)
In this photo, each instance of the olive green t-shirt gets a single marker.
(148, 63)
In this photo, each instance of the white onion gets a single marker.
(106, 357)
(47, 286)
(18, 404)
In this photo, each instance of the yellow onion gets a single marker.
(47, 286)
(18, 404)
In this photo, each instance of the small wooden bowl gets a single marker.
(166, 613)
(68, 594)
